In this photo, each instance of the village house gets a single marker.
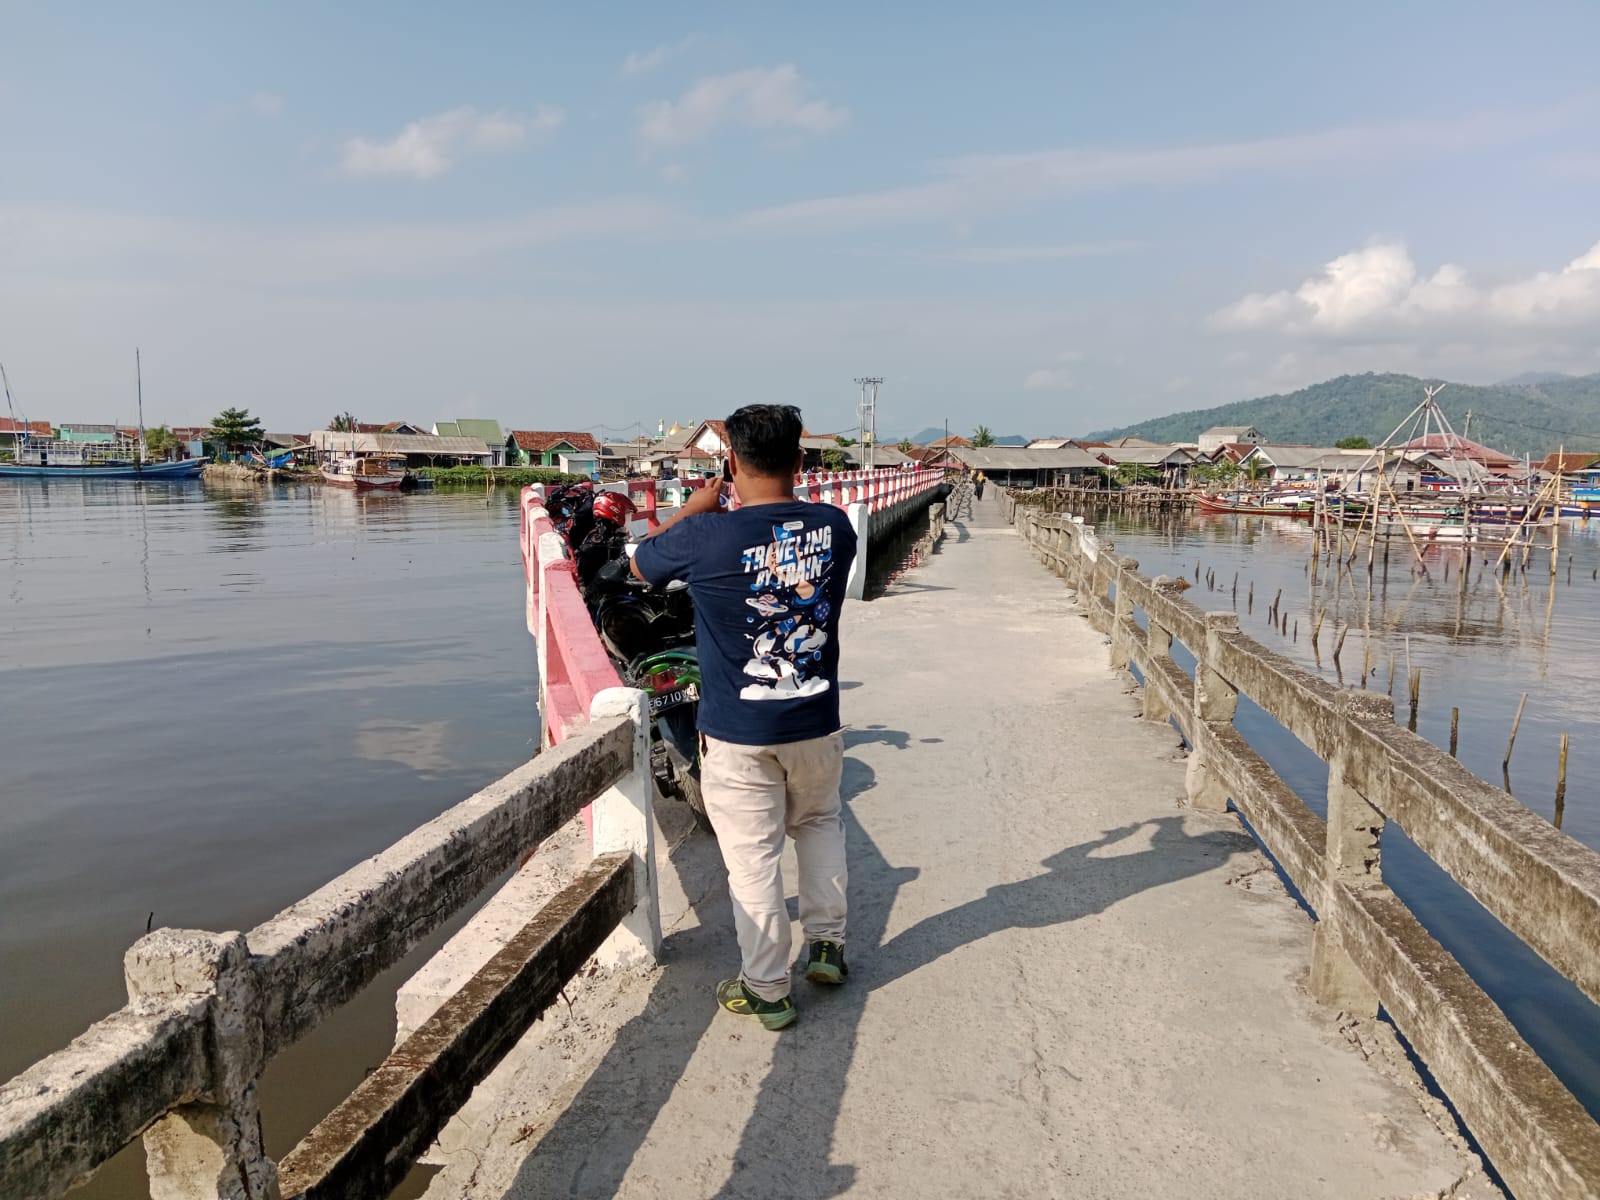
(11, 431)
(473, 427)
(1169, 464)
(418, 449)
(570, 452)
(1218, 436)
(1026, 467)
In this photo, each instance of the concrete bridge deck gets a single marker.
(1064, 983)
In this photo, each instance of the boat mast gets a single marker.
(138, 379)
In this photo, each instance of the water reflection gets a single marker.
(225, 698)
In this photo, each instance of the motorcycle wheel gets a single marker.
(689, 789)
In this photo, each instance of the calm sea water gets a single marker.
(1479, 649)
(215, 700)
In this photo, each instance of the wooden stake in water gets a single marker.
(1391, 674)
(1512, 744)
(1416, 697)
(1561, 782)
(1455, 727)
(1338, 646)
(1250, 600)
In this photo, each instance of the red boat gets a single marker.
(1273, 504)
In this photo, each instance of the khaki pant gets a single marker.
(754, 794)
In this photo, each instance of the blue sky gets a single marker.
(1048, 218)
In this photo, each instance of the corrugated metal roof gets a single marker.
(1021, 458)
(399, 443)
(1151, 456)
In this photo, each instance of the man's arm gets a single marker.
(702, 502)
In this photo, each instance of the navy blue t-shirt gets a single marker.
(767, 582)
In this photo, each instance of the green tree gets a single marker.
(845, 441)
(835, 459)
(1255, 470)
(906, 446)
(1128, 474)
(1222, 472)
(235, 428)
(161, 442)
(1353, 443)
(981, 437)
(343, 423)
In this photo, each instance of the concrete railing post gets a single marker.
(1158, 644)
(624, 820)
(1215, 702)
(1121, 614)
(210, 1149)
(861, 522)
(1351, 858)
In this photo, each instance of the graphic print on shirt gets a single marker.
(789, 576)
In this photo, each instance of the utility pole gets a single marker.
(868, 417)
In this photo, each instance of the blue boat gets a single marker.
(52, 468)
(51, 458)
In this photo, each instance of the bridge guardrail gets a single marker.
(180, 1063)
(1368, 948)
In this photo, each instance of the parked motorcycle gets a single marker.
(649, 633)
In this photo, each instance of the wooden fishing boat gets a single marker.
(366, 474)
(1270, 504)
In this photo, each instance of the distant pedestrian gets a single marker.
(977, 485)
(768, 580)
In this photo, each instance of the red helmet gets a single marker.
(614, 507)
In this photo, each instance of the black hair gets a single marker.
(766, 437)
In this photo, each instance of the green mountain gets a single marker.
(1524, 418)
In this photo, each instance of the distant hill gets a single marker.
(1521, 418)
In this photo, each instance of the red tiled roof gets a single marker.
(7, 425)
(955, 439)
(541, 440)
(1572, 460)
(1459, 447)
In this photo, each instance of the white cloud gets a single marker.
(757, 98)
(1378, 294)
(985, 183)
(427, 148)
(643, 62)
(266, 104)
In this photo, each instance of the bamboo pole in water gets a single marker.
(1512, 744)
(1561, 782)
(1455, 728)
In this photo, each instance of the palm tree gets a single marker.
(906, 446)
(981, 437)
(343, 423)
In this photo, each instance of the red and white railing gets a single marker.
(574, 667)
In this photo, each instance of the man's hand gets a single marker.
(703, 500)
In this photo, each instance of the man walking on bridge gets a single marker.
(768, 581)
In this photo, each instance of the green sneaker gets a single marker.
(773, 1014)
(826, 964)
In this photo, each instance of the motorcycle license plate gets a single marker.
(661, 701)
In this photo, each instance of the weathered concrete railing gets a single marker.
(206, 1011)
(1369, 949)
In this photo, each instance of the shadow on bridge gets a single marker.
(786, 1142)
